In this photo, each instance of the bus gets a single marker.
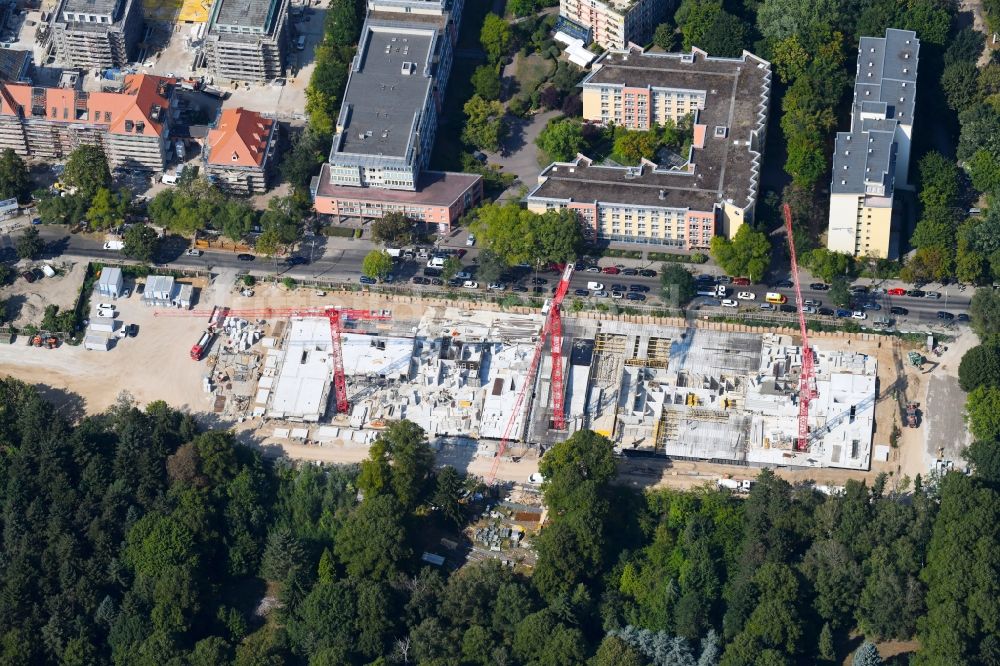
(772, 297)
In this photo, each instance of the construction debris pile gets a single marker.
(241, 334)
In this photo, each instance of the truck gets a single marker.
(200, 347)
(714, 291)
(736, 485)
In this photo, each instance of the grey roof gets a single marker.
(246, 13)
(90, 6)
(725, 168)
(13, 64)
(884, 97)
(383, 104)
(110, 275)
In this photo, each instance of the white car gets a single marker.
(192, 252)
(617, 294)
(536, 478)
(601, 294)
(469, 284)
(593, 269)
(496, 286)
(471, 240)
(595, 286)
(105, 306)
(809, 309)
(858, 314)
(812, 303)
(106, 313)
(730, 303)
(746, 296)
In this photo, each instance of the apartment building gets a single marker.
(713, 193)
(238, 151)
(388, 120)
(247, 40)
(873, 158)
(132, 125)
(614, 24)
(96, 33)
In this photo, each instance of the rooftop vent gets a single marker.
(721, 131)
(408, 68)
(663, 195)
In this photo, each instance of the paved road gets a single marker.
(340, 260)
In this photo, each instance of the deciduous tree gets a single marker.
(376, 264)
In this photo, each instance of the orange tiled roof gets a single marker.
(143, 101)
(239, 139)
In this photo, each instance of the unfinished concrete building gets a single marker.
(96, 33)
(247, 40)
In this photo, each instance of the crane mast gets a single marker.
(806, 380)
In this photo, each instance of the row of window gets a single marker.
(86, 18)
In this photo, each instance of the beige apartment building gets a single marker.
(714, 192)
(615, 23)
(873, 159)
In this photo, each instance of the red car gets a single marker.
(610, 270)
(741, 281)
(896, 292)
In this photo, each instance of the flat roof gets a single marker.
(246, 13)
(725, 168)
(90, 6)
(434, 188)
(388, 90)
(306, 369)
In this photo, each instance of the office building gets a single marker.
(238, 150)
(96, 33)
(712, 192)
(388, 120)
(873, 159)
(613, 24)
(247, 40)
(132, 125)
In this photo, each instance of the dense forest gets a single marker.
(133, 537)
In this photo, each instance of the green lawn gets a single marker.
(532, 71)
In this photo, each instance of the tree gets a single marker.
(447, 494)
(980, 366)
(486, 82)
(490, 267)
(30, 244)
(748, 253)
(840, 293)
(585, 456)
(633, 146)
(984, 171)
(959, 84)
(15, 182)
(521, 8)
(236, 219)
(665, 36)
(984, 313)
(452, 266)
(268, 243)
(485, 127)
(107, 209)
(518, 235)
(372, 542)
(561, 140)
(141, 242)
(928, 264)
(283, 216)
(826, 650)
(376, 264)
(392, 228)
(779, 19)
(613, 651)
(69, 210)
(87, 169)
(984, 458)
(866, 655)
(983, 411)
(677, 285)
(495, 37)
(827, 265)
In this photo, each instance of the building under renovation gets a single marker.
(96, 33)
(687, 393)
(247, 40)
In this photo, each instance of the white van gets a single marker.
(169, 178)
(595, 286)
(393, 252)
(435, 262)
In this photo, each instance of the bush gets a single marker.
(669, 257)
(249, 280)
(289, 283)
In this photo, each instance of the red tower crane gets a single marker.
(336, 316)
(807, 390)
(552, 327)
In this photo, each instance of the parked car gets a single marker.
(730, 303)
(870, 305)
(601, 294)
(619, 287)
(192, 252)
(463, 275)
(105, 306)
(916, 293)
(819, 286)
(432, 272)
(538, 281)
(469, 284)
(610, 270)
(437, 282)
(932, 294)
(296, 261)
(896, 310)
(496, 286)
(767, 306)
(367, 280)
(858, 289)
(106, 313)
(858, 314)
(595, 286)
(897, 291)
(826, 312)
(647, 272)
(947, 316)
(963, 317)
(29, 276)
(746, 296)
(812, 302)
(635, 296)
(132, 330)
(519, 288)
(420, 280)
(617, 294)
(785, 307)
(641, 288)
(843, 313)
(471, 240)
(630, 272)
(784, 284)
(245, 257)
(741, 281)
